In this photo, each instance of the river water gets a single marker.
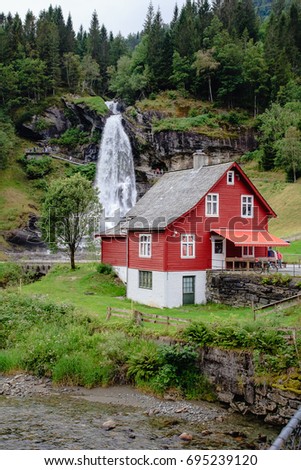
(75, 420)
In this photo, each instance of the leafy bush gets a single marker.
(234, 118)
(41, 124)
(104, 268)
(233, 337)
(10, 274)
(37, 168)
(277, 279)
(198, 333)
(72, 138)
(255, 155)
(89, 171)
(144, 364)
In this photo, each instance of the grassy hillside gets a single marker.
(17, 198)
(20, 196)
(283, 197)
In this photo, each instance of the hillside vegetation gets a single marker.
(282, 196)
(57, 327)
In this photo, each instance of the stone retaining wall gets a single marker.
(232, 373)
(243, 289)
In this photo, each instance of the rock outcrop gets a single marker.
(164, 150)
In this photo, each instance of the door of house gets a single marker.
(188, 290)
(218, 252)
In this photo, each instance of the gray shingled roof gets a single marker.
(173, 195)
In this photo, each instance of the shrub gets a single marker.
(37, 168)
(72, 138)
(198, 333)
(89, 171)
(232, 337)
(277, 279)
(10, 274)
(234, 118)
(144, 364)
(104, 268)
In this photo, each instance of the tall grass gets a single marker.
(55, 340)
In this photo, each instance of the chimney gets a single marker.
(200, 159)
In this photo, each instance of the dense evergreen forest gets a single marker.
(225, 53)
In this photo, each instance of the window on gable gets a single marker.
(212, 205)
(248, 251)
(230, 177)
(145, 246)
(145, 280)
(187, 246)
(247, 205)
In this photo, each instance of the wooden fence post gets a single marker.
(109, 313)
(138, 317)
(253, 309)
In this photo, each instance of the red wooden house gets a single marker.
(189, 222)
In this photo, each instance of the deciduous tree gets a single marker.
(70, 212)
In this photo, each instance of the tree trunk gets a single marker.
(210, 89)
(295, 173)
(72, 257)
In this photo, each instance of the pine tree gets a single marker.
(94, 38)
(30, 33)
(81, 46)
(104, 58)
(69, 36)
(48, 49)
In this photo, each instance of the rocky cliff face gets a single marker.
(164, 150)
(172, 150)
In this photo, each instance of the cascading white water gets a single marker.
(115, 175)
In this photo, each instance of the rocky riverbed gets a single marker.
(35, 414)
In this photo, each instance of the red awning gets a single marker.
(251, 237)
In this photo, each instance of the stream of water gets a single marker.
(61, 422)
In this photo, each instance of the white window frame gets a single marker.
(247, 203)
(145, 245)
(212, 205)
(187, 245)
(146, 280)
(230, 178)
(248, 251)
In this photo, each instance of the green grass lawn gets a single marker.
(91, 293)
(292, 253)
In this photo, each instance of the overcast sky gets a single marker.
(126, 16)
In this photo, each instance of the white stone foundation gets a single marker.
(167, 288)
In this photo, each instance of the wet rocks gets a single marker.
(23, 385)
(186, 437)
(108, 425)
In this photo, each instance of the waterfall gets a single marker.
(115, 175)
